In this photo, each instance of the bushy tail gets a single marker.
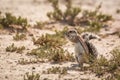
(92, 49)
(88, 36)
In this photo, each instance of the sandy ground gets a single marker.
(35, 10)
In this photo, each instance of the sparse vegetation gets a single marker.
(40, 25)
(50, 47)
(13, 48)
(55, 40)
(20, 49)
(31, 76)
(30, 61)
(102, 66)
(10, 21)
(94, 20)
(56, 70)
(52, 54)
(60, 56)
(49, 40)
(19, 36)
(68, 16)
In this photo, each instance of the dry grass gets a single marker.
(19, 36)
(30, 61)
(102, 66)
(56, 70)
(32, 76)
(52, 54)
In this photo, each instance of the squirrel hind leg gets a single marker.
(79, 60)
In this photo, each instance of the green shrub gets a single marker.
(68, 16)
(32, 76)
(13, 48)
(30, 61)
(60, 55)
(41, 52)
(50, 47)
(49, 40)
(10, 20)
(20, 49)
(103, 66)
(18, 37)
(94, 20)
(40, 25)
(52, 54)
(56, 70)
(55, 40)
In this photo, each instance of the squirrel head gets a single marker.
(72, 35)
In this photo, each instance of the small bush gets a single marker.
(10, 20)
(60, 56)
(32, 76)
(56, 70)
(40, 25)
(20, 49)
(52, 54)
(55, 40)
(50, 47)
(13, 48)
(68, 16)
(49, 40)
(94, 20)
(103, 66)
(41, 52)
(30, 61)
(99, 66)
(18, 37)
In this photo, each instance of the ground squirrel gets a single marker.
(82, 44)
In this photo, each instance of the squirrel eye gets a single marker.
(70, 31)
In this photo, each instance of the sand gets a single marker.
(35, 10)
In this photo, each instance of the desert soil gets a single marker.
(35, 10)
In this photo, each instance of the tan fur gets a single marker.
(80, 46)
